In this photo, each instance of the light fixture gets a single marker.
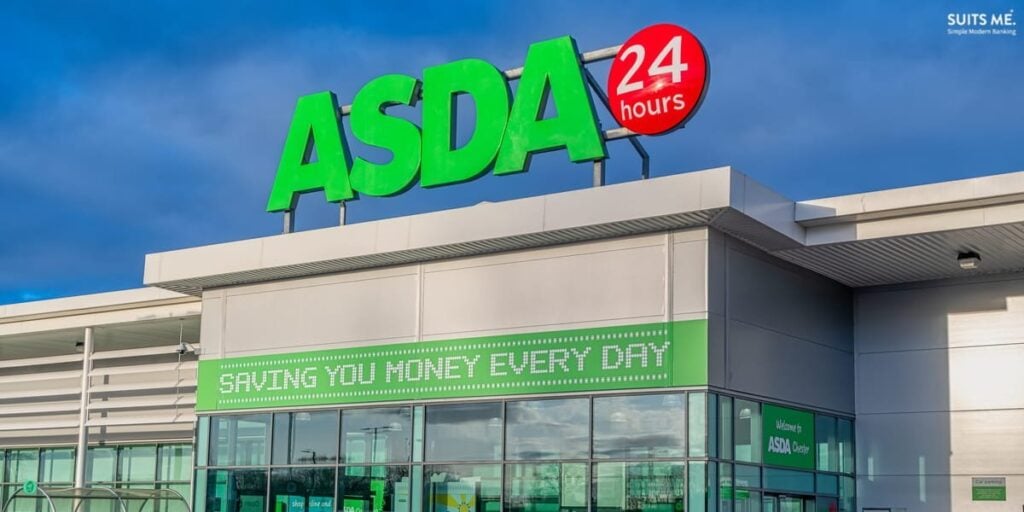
(79, 346)
(968, 260)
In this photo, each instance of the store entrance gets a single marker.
(786, 503)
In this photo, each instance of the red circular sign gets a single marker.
(657, 79)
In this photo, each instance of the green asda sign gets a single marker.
(607, 358)
(507, 130)
(788, 437)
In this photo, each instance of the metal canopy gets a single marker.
(71, 499)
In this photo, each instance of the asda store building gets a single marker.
(695, 342)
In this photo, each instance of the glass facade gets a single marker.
(651, 452)
(148, 466)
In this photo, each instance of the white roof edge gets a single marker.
(135, 297)
(929, 198)
(670, 202)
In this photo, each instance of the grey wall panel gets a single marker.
(902, 378)
(292, 316)
(545, 289)
(788, 333)
(955, 348)
(902, 444)
(775, 295)
(923, 493)
(771, 364)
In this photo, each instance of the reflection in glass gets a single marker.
(302, 490)
(847, 491)
(726, 491)
(314, 437)
(748, 476)
(239, 440)
(462, 487)
(374, 489)
(550, 487)
(725, 427)
(748, 430)
(747, 501)
(697, 490)
(100, 464)
(697, 414)
(640, 426)
(376, 435)
(175, 462)
(825, 439)
(548, 429)
(136, 463)
(236, 490)
(58, 465)
(464, 432)
(788, 480)
(23, 465)
(826, 504)
(846, 457)
(639, 486)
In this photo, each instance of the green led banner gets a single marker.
(788, 437)
(606, 358)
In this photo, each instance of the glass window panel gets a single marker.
(236, 490)
(302, 490)
(712, 416)
(747, 500)
(696, 418)
(846, 453)
(100, 464)
(58, 465)
(697, 485)
(376, 435)
(169, 505)
(374, 489)
(464, 432)
(639, 487)
(136, 463)
(550, 487)
(725, 427)
(24, 465)
(827, 447)
(748, 476)
(418, 413)
(462, 487)
(548, 429)
(725, 487)
(282, 438)
(314, 437)
(847, 494)
(788, 480)
(639, 426)
(828, 484)
(239, 440)
(823, 504)
(748, 430)
(175, 462)
(198, 498)
(3, 473)
(203, 441)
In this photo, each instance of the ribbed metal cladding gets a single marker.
(474, 248)
(914, 258)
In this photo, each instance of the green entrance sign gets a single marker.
(606, 358)
(29, 487)
(988, 489)
(507, 131)
(788, 437)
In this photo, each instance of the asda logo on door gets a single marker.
(788, 437)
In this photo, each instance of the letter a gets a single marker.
(315, 124)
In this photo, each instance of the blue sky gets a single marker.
(135, 127)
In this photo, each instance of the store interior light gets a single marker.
(969, 260)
